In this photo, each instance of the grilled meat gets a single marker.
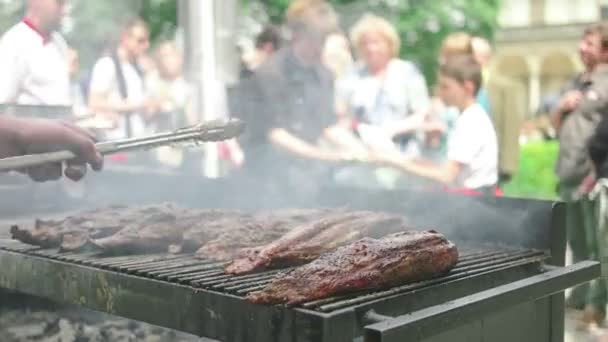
(368, 264)
(177, 231)
(241, 234)
(73, 232)
(369, 225)
(211, 223)
(307, 241)
(150, 234)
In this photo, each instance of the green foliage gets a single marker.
(161, 15)
(97, 24)
(536, 176)
(276, 9)
(10, 13)
(422, 24)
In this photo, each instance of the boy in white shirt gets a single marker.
(472, 146)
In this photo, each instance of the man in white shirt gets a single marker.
(117, 90)
(33, 58)
(472, 159)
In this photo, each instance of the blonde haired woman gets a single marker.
(386, 96)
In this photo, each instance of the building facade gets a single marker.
(537, 43)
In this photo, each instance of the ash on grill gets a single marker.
(40, 325)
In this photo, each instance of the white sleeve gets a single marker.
(103, 76)
(13, 69)
(463, 143)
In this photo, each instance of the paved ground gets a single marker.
(576, 335)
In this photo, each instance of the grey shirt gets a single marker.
(574, 164)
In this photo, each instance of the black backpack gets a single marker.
(122, 86)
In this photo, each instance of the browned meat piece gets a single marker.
(160, 231)
(309, 240)
(296, 215)
(368, 264)
(79, 228)
(230, 243)
(242, 233)
(153, 233)
(79, 241)
(210, 225)
(157, 228)
(369, 225)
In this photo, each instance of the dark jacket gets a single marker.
(574, 164)
(284, 93)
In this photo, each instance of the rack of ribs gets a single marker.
(309, 240)
(368, 264)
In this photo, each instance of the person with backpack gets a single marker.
(583, 103)
(117, 85)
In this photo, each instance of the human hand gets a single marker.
(33, 136)
(569, 101)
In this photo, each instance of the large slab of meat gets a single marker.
(69, 233)
(216, 234)
(309, 240)
(367, 264)
(243, 233)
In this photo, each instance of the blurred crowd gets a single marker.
(321, 104)
(345, 107)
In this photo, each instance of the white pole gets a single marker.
(208, 79)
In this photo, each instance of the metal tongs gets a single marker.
(210, 131)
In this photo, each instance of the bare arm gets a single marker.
(282, 138)
(343, 139)
(445, 174)
(98, 102)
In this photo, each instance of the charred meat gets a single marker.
(179, 231)
(238, 235)
(73, 232)
(208, 226)
(368, 264)
(308, 241)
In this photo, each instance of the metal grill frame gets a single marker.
(216, 314)
(229, 318)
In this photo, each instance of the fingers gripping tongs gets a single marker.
(210, 131)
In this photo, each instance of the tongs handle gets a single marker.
(209, 131)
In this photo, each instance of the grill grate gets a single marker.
(201, 274)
